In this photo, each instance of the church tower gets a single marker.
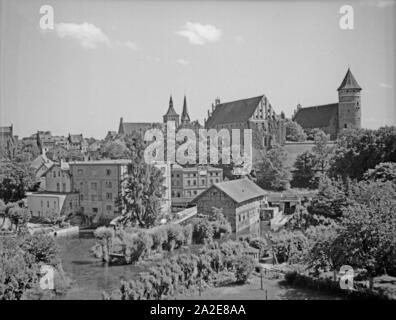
(349, 104)
(171, 114)
(185, 118)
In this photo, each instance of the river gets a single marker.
(90, 276)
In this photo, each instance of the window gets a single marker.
(194, 182)
(64, 187)
(57, 186)
(71, 205)
(108, 207)
(93, 197)
(80, 172)
(59, 173)
(81, 197)
(94, 186)
(54, 174)
(108, 172)
(42, 203)
(345, 125)
(95, 210)
(108, 184)
(109, 196)
(188, 182)
(47, 204)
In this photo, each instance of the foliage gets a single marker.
(15, 180)
(294, 132)
(244, 267)
(57, 153)
(183, 273)
(331, 198)
(203, 231)
(384, 171)
(18, 217)
(272, 173)
(290, 247)
(312, 166)
(301, 219)
(20, 261)
(359, 150)
(114, 149)
(143, 187)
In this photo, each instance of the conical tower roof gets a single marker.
(349, 82)
(171, 111)
(185, 117)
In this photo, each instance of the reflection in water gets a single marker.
(90, 276)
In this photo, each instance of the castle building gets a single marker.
(253, 113)
(332, 118)
(171, 114)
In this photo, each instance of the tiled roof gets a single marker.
(129, 127)
(317, 116)
(349, 82)
(234, 111)
(171, 111)
(103, 162)
(239, 190)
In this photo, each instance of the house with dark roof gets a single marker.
(240, 201)
(334, 117)
(254, 113)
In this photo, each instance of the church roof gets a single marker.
(171, 111)
(234, 111)
(349, 82)
(185, 116)
(316, 116)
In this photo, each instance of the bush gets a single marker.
(244, 267)
(175, 237)
(203, 231)
(188, 233)
(225, 278)
(159, 236)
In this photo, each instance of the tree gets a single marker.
(272, 172)
(294, 132)
(18, 217)
(57, 153)
(15, 180)
(368, 236)
(290, 247)
(362, 149)
(114, 149)
(143, 188)
(384, 171)
(312, 165)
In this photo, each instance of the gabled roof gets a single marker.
(349, 82)
(234, 111)
(317, 116)
(238, 190)
(129, 127)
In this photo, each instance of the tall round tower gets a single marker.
(349, 104)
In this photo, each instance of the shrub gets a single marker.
(203, 231)
(188, 233)
(225, 278)
(159, 237)
(175, 236)
(244, 268)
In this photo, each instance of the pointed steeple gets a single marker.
(185, 118)
(171, 114)
(349, 82)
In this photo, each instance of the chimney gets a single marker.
(217, 101)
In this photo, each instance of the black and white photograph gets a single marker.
(202, 152)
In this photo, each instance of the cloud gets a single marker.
(183, 62)
(200, 34)
(87, 34)
(385, 85)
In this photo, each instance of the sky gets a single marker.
(109, 59)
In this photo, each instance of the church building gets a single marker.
(334, 117)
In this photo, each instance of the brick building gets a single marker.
(253, 113)
(240, 201)
(334, 117)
